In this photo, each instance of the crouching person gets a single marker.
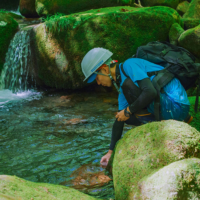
(139, 102)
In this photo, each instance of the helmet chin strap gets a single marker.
(113, 81)
(110, 76)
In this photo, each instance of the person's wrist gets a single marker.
(110, 152)
(127, 113)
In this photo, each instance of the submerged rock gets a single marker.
(87, 177)
(190, 40)
(61, 43)
(8, 27)
(145, 149)
(179, 180)
(46, 7)
(12, 187)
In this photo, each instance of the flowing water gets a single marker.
(18, 64)
(52, 137)
(47, 137)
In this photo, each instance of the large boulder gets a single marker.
(8, 27)
(46, 7)
(12, 187)
(179, 180)
(169, 3)
(61, 43)
(192, 16)
(147, 148)
(27, 8)
(190, 40)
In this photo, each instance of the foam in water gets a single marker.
(7, 96)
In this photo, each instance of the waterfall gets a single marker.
(18, 64)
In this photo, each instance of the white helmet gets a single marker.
(93, 60)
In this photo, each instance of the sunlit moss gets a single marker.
(120, 29)
(145, 149)
(16, 188)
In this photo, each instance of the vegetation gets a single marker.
(8, 27)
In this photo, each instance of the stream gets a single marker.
(51, 136)
(47, 136)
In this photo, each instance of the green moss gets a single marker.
(46, 7)
(147, 148)
(193, 10)
(175, 31)
(120, 29)
(13, 187)
(195, 122)
(8, 27)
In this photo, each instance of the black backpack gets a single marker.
(177, 62)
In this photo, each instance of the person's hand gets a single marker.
(121, 117)
(105, 159)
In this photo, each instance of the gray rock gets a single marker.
(179, 180)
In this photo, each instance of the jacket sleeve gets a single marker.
(147, 95)
(116, 133)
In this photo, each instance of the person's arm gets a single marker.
(116, 135)
(147, 95)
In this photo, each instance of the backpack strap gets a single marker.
(161, 79)
(122, 68)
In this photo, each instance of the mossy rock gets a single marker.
(61, 42)
(183, 7)
(196, 116)
(8, 27)
(193, 11)
(190, 23)
(46, 7)
(190, 40)
(175, 31)
(147, 148)
(12, 187)
(169, 3)
(178, 180)
(27, 8)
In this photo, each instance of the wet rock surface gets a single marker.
(88, 177)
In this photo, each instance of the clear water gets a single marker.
(40, 142)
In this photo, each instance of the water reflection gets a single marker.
(48, 138)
